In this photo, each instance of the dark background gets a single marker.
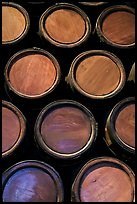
(100, 109)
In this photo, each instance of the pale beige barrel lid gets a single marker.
(13, 23)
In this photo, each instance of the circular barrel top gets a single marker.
(32, 73)
(10, 129)
(125, 125)
(106, 184)
(104, 180)
(119, 27)
(120, 127)
(65, 129)
(31, 182)
(65, 26)
(116, 26)
(97, 74)
(13, 128)
(15, 22)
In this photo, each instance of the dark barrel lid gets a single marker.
(65, 129)
(32, 181)
(116, 26)
(120, 125)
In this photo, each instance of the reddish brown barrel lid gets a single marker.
(15, 22)
(32, 73)
(116, 26)
(13, 128)
(125, 125)
(97, 74)
(120, 125)
(32, 181)
(65, 129)
(104, 179)
(64, 25)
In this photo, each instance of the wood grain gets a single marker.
(98, 75)
(65, 26)
(30, 185)
(119, 27)
(13, 23)
(66, 129)
(10, 129)
(32, 74)
(125, 125)
(106, 184)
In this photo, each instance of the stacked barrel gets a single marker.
(68, 101)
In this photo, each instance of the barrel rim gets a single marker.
(98, 3)
(58, 6)
(8, 173)
(22, 121)
(60, 103)
(76, 183)
(99, 22)
(23, 52)
(27, 23)
(110, 124)
(113, 57)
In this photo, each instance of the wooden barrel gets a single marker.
(131, 76)
(120, 129)
(32, 73)
(65, 129)
(104, 179)
(64, 25)
(13, 128)
(97, 74)
(15, 23)
(32, 181)
(115, 26)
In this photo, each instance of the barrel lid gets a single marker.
(121, 124)
(64, 25)
(32, 73)
(32, 181)
(65, 129)
(97, 74)
(14, 32)
(116, 26)
(13, 128)
(104, 179)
